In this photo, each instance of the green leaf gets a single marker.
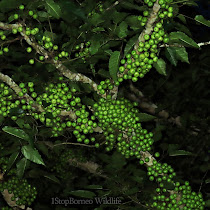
(83, 193)
(36, 173)
(88, 101)
(12, 159)
(132, 191)
(168, 185)
(41, 146)
(50, 34)
(109, 52)
(95, 44)
(94, 187)
(207, 181)
(2, 17)
(22, 124)
(171, 55)
(42, 14)
(49, 115)
(130, 44)
(138, 179)
(104, 73)
(67, 44)
(1, 119)
(74, 85)
(179, 152)
(132, 6)
(98, 29)
(181, 54)
(118, 17)
(122, 30)
(53, 9)
(52, 178)
(7, 5)
(11, 18)
(202, 20)
(117, 161)
(16, 132)
(160, 66)
(191, 3)
(16, 111)
(71, 11)
(9, 151)
(182, 28)
(114, 64)
(21, 166)
(157, 136)
(85, 87)
(144, 117)
(182, 18)
(176, 36)
(207, 203)
(32, 154)
(96, 19)
(133, 22)
(172, 147)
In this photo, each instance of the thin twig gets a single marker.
(178, 45)
(113, 5)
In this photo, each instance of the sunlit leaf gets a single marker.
(160, 66)
(179, 152)
(32, 154)
(130, 44)
(176, 36)
(202, 20)
(170, 54)
(181, 54)
(16, 132)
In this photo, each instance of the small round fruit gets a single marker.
(41, 57)
(14, 30)
(31, 61)
(16, 16)
(6, 49)
(157, 154)
(29, 49)
(20, 29)
(55, 47)
(48, 39)
(21, 7)
(35, 16)
(30, 84)
(3, 37)
(146, 37)
(31, 13)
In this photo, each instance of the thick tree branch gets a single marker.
(150, 107)
(178, 45)
(149, 26)
(6, 79)
(77, 77)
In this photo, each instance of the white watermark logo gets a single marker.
(96, 200)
